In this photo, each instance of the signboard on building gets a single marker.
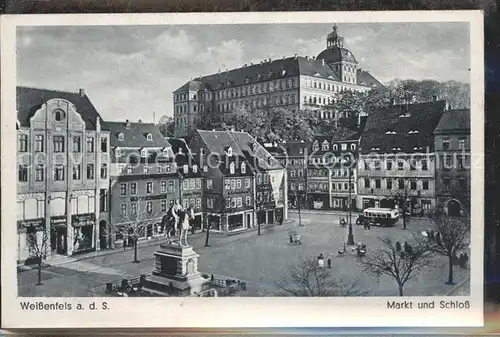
(83, 219)
(58, 221)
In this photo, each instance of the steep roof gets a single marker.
(186, 158)
(367, 79)
(297, 148)
(136, 135)
(344, 134)
(29, 100)
(454, 121)
(243, 145)
(337, 54)
(269, 70)
(402, 128)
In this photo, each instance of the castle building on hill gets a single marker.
(293, 83)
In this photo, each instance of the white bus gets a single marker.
(385, 217)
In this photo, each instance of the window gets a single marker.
(210, 203)
(123, 209)
(461, 143)
(367, 183)
(163, 205)
(163, 186)
(446, 182)
(209, 184)
(377, 183)
(462, 183)
(23, 173)
(367, 165)
(389, 184)
(90, 171)
(133, 188)
(446, 144)
(231, 168)
(228, 202)
(353, 147)
(233, 184)
(171, 186)
(149, 207)
(248, 201)
(120, 136)
(144, 153)
(413, 185)
(58, 143)
(192, 184)
(145, 169)
(59, 172)
(123, 189)
(149, 136)
(343, 147)
(39, 173)
(424, 165)
(77, 146)
(401, 166)
(259, 178)
(425, 185)
(243, 168)
(324, 146)
(23, 143)
(238, 184)
(460, 163)
(377, 165)
(413, 165)
(104, 144)
(239, 202)
(401, 184)
(90, 144)
(39, 143)
(149, 187)
(198, 184)
(104, 171)
(388, 165)
(130, 170)
(233, 202)
(247, 183)
(339, 186)
(76, 172)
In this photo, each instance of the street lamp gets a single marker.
(350, 235)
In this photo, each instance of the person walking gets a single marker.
(124, 244)
(329, 263)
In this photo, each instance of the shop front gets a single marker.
(59, 234)
(235, 222)
(196, 223)
(369, 203)
(319, 201)
(214, 221)
(30, 239)
(83, 232)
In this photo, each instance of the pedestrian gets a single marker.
(406, 247)
(398, 246)
(124, 243)
(410, 250)
(438, 239)
(461, 261)
(329, 262)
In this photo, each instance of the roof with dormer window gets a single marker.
(136, 135)
(454, 121)
(29, 100)
(423, 117)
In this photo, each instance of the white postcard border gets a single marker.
(235, 312)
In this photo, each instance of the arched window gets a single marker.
(59, 115)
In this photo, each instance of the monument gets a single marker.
(176, 264)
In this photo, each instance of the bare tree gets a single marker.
(404, 197)
(38, 244)
(307, 278)
(451, 235)
(400, 263)
(135, 223)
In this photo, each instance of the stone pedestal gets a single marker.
(176, 271)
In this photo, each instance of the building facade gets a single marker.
(191, 183)
(292, 83)
(244, 184)
(63, 162)
(453, 162)
(397, 157)
(144, 181)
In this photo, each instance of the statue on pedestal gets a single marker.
(177, 219)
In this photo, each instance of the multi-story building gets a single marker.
(293, 156)
(241, 177)
(343, 172)
(452, 148)
(144, 180)
(63, 160)
(191, 181)
(292, 83)
(397, 159)
(319, 163)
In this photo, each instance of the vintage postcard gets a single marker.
(242, 170)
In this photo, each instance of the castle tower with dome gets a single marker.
(294, 83)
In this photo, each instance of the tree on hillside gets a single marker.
(166, 124)
(287, 125)
(453, 237)
(308, 279)
(252, 121)
(402, 263)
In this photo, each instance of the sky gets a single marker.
(130, 72)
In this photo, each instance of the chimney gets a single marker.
(195, 168)
(98, 124)
(81, 92)
(127, 125)
(322, 62)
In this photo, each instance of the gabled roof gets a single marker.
(29, 100)
(136, 135)
(243, 145)
(406, 127)
(269, 70)
(344, 134)
(186, 158)
(297, 148)
(367, 79)
(454, 121)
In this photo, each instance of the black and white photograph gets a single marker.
(332, 158)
